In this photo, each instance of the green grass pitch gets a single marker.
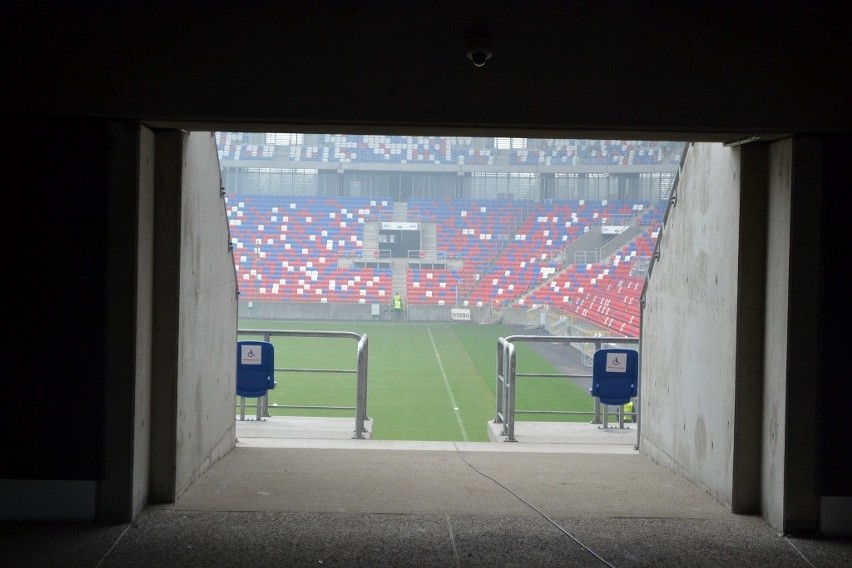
(426, 381)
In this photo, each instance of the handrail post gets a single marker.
(361, 397)
(499, 389)
(505, 389)
(264, 400)
(510, 391)
(597, 416)
(596, 419)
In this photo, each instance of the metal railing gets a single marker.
(360, 407)
(507, 375)
(623, 219)
(587, 256)
(427, 255)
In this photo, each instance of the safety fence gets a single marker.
(360, 371)
(507, 376)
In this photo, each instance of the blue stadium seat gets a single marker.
(255, 371)
(615, 375)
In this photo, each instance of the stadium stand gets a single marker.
(348, 148)
(602, 152)
(234, 146)
(432, 286)
(287, 248)
(392, 149)
(535, 248)
(506, 251)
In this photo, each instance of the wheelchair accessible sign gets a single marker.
(251, 354)
(616, 362)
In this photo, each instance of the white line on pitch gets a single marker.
(447, 384)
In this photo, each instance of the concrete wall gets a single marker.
(304, 311)
(444, 313)
(194, 316)
(144, 315)
(689, 327)
(775, 357)
(206, 387)
(731, 346)
(350, 312)
(795, 352)
(124, 488)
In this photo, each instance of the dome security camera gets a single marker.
(479, 56)
(479, 49)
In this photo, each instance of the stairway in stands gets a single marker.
(399, 266)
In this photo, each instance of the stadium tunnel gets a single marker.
(744, 258)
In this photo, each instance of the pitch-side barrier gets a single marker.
(507, 375)
(360, 407)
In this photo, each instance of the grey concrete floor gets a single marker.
(278, 501)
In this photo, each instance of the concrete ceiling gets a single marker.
(718, 71)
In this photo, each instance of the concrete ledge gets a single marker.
(337, 433)
(566, 433)
(299, 427)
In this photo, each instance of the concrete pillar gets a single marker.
(748, 371)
